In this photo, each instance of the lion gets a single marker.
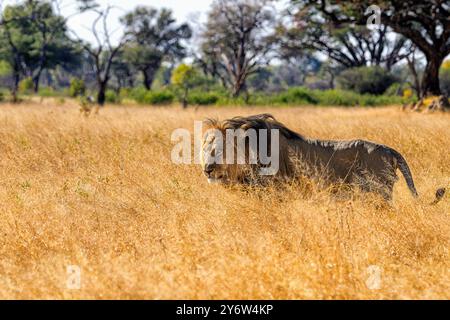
(370, 166)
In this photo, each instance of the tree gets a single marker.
(185, 77)
(104, 53)
(308, 28)
(33, 38)
(124, 72)
(260, 80)
(51, 44)
(413, 66)
(373, 80)
(295, 69)
(426, 23)
(288, 73)
(10, 54)
(236, 41)
(155, 37)
(328, 72)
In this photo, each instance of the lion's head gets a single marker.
(244, 165)
(211, 150)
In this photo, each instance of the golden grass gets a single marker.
(102, 193)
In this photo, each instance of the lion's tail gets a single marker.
(404, 168)
(439, 195)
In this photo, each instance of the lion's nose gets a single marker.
(209, 168)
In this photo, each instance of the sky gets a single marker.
(184, 11)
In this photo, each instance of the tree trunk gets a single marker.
(430, 80)
(237, 88)
(412, 67)
(36, 82)
(185, 99)
(15, 87)
(331, 82)
(149, 76)
(101, 95)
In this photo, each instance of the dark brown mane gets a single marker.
(256, 122)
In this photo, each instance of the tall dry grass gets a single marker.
(101, 193)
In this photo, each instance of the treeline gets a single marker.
(247, 52)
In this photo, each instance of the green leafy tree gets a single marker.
(5, 68)
(123, 72)
(155, 37)
(36, 37)
(33, 38)
(185, 78)
(373, 80)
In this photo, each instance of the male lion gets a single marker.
(369, 165)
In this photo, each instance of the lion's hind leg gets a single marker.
(369, 183)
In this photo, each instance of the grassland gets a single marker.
(101, 193)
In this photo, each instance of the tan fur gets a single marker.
(369, 165)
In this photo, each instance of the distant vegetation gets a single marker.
(232, 58)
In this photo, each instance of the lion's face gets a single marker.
(211, 151)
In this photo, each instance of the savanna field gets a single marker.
(101, 193)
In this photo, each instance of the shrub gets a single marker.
(47, 92)
(125, 93)
(298, 95)
(112, 97)
(396, 89)
(337, 97)
(26, 85)
(203, 99)
(293, 96)
(77, 87)
(158, 97)
(373, 80)
(138, 94)
(444, 78)
(185, 78)
(408, 93)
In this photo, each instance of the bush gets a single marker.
(293, 96)
(125, 93)
(298, 95)
(112, 97)
(203, 99)
(372, 80)
(138, 94)
(337, 97)
(396, 89)
(444, 78)
(26, 85)
(157, 97)
(408, 93)
(47, 92)
(77, 88)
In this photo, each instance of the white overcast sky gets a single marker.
(184, 10)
